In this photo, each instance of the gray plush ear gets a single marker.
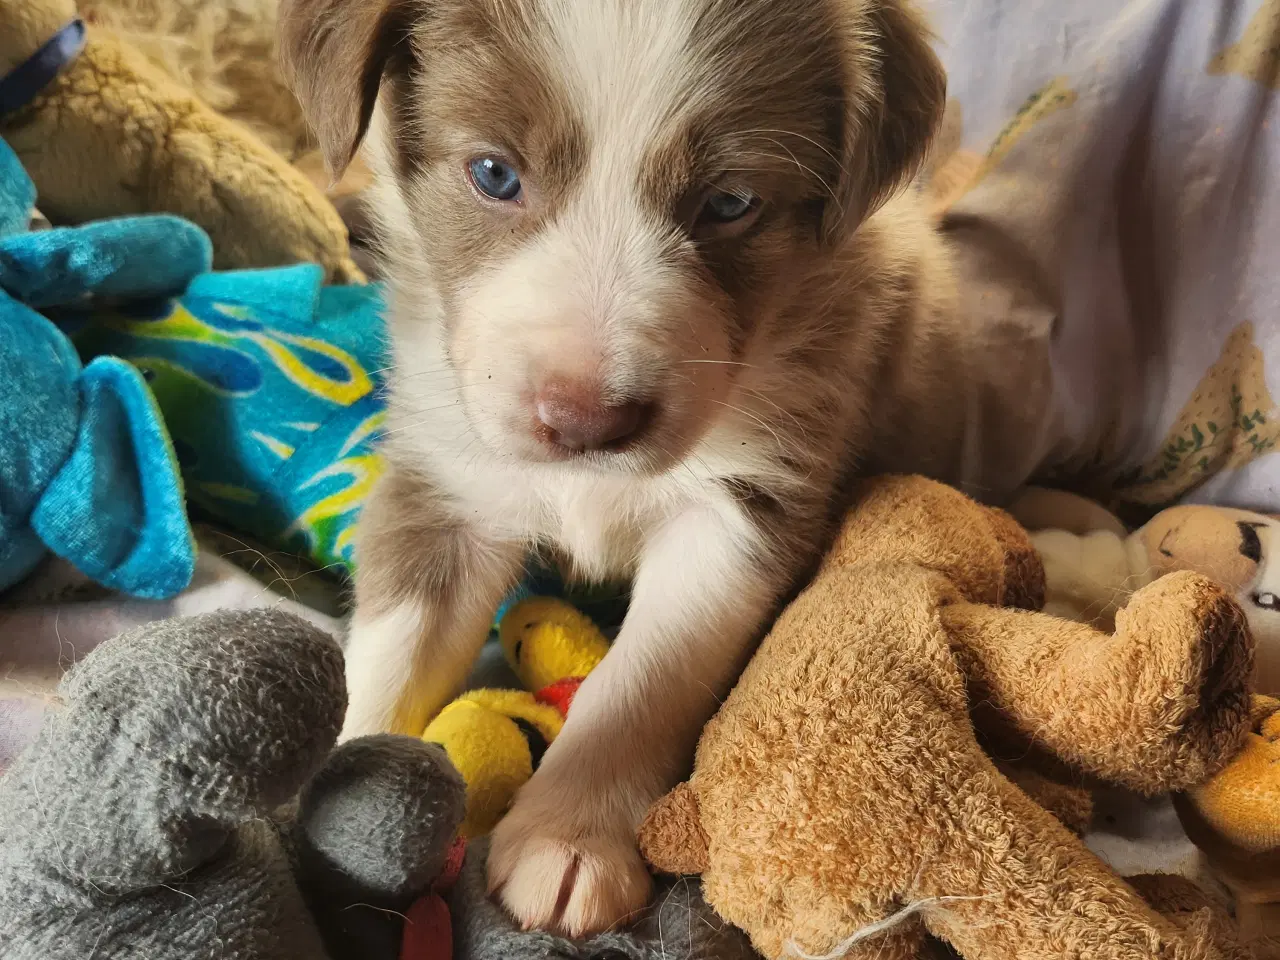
(374, 828)
(170, 737)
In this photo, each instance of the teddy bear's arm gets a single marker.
(113, 135)
(1158, 706)
(671, 837)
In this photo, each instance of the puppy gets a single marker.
(654, 294)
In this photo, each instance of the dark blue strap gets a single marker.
(25, 81)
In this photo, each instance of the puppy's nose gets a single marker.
(574, 416)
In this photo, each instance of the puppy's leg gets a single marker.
(427, 585)
(565, 856)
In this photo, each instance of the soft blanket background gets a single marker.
(1108, 174)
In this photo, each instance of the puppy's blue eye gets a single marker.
(726, 206)
(495, 178)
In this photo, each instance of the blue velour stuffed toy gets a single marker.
(86, 467)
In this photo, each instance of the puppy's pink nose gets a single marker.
(573, 415)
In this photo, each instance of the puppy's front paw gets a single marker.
(554, 873)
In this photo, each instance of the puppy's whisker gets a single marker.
(807, 139)
(747, 413)
(757, 395)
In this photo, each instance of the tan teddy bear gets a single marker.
(842, 803)
(1093, 565)
(113, 134)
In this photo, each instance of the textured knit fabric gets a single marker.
(145, 821)
(86, 468)
(678, 926)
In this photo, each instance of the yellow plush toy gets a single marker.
(497, 737)
(104, 132)
(548, 641)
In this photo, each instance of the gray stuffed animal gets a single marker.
(155, 817)
(186, 802)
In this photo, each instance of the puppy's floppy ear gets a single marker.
(896, 91)
(335, 53)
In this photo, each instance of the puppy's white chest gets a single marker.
(600, 523)
(601, 528)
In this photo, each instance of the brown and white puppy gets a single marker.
(650, 302)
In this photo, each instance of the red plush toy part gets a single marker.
(560, 694)
(428, 928)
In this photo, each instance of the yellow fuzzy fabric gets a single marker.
(547, 640)
(485, 743)
(224, 51)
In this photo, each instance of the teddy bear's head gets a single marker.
(909, 519)
(1229, 545)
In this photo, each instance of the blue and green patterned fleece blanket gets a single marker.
(269, 383)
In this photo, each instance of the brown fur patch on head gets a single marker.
(762, 111)
(480, 85)
(823, 110)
